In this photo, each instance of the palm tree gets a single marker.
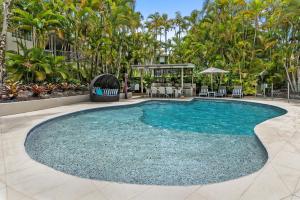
(181, 23)
(193, 18)
(288, 21)
(6, 13)
(154, 26)
(166, 24)
(36, 19)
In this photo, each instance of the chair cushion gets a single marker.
(99, 92)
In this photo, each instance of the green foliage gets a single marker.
(243, 37)
(1, 14)
(148, 80)
(35, 65)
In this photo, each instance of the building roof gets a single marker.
(164, 66)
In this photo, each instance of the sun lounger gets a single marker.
(203, 91)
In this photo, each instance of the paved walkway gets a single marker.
(22, 178)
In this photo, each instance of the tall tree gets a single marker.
(6, 13)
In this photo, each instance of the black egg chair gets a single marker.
(105, 88)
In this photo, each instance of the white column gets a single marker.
(272, 91)
(211, 82)
(182, 79)
(192, 76)
(193, 83)
(142, 84)
(288, 94)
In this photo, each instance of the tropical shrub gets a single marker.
(34, 66)
(11, 90)
(148, 80)
(37, 90)
(50, 87)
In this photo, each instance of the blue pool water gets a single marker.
(161, 143)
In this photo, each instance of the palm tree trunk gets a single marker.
(166, 38)
(255, 31)
(240, 73)
(298, 77)
(6, 5)
(297, 59)
(77, 63)
(288, 76)
(119, 61)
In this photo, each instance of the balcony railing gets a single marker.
(22, 35)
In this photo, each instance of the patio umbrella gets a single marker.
(211, 71)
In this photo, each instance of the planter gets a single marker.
(29, 106)
(129, 95)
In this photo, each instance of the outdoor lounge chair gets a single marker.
(222, 92)
(105, 88)
(237, 92)
(154, 91)
(162, 91)
(169, 92)
(203, 91)
(137, 87)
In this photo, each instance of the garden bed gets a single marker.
(13, 92)
(18, 98)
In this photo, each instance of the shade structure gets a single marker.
(211, 71)
(164, 66)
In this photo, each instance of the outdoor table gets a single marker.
(187, 92)
(212, 94)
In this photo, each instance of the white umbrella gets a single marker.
(211, 71)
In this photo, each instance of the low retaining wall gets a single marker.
(28, 106)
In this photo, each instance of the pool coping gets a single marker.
(246, 187)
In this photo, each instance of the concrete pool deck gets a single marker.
(23, 178)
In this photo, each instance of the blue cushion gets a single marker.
(99, 92)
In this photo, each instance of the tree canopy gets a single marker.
(247, 38)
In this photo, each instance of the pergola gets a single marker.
(153, 67)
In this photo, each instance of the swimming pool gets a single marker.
(156, 142)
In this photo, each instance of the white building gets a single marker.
(11, 40)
